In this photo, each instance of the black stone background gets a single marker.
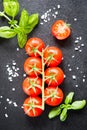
(17, 120)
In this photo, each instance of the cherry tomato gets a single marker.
(53, 56)
(54, 76)
(34, 46)
(32, 86)
(61, 30)
(53, 95)
(33, 66)
(32, 106)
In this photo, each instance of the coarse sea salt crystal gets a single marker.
(77, 68)
(83, 80)
(17, 49)
(75, 19)
(76, 41)
(15, 104)
(80, 50)
(1, 96)
(74, 77)
(24, 75)
(6, 115)
(5, 108)
(58, 6)
(82, 45)
(76, 85)
(76, 48)
(7, 99)
(13, 89)
(70, 69)
(73, 56)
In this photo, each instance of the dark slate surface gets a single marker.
(17, 120)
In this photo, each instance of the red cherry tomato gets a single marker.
(33, 66)
(53, 56)
(34, 46)
(32, 86)
(54, 76)
(61, 30)
(32, 106)
(53, 95)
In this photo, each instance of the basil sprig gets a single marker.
(17, 28)
(63, 109)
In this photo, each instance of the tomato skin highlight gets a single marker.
(54, 96)
(32, 86)
(54, 76)
(29, 108)
(33, 66)
(60, 30)
(34, 45)
(54, 56)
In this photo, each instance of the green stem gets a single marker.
(2, 14)
(5, 16)
(43, 65)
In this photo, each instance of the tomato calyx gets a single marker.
(32, 105)
(33, 84)
(52, 94)
(35, 50)
(35, 69)
(51, 77)
(49, 59)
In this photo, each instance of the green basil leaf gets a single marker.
(11, 7)
(33, 20)
(22, 38)
(24, 18)
(7, 32)
(69, 98)
(54, 112)
(76, 105)
(63, 114)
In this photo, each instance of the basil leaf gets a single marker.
(78, 105)
(24, 18)
(63, 114)
(54, 112)
(11, 7)
(7, 32)
(69, 98)
(33, 20)
(22, 38)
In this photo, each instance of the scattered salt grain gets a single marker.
(80, 50)
(77, 68)
(13, 89)
(68, 65)
(15, 104)
(17, 49)
(83, 80)
(1, 96)
(74, 77)
(75, 19)
(58, 6)
(76, 48)
(64, 76)
(5, 108)
(24, 75)
(70, 69)
(7, 99)
(73, 56)
(76, 85)
(76, 41)
(6, 115)
(41, 23)
(82, 45)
